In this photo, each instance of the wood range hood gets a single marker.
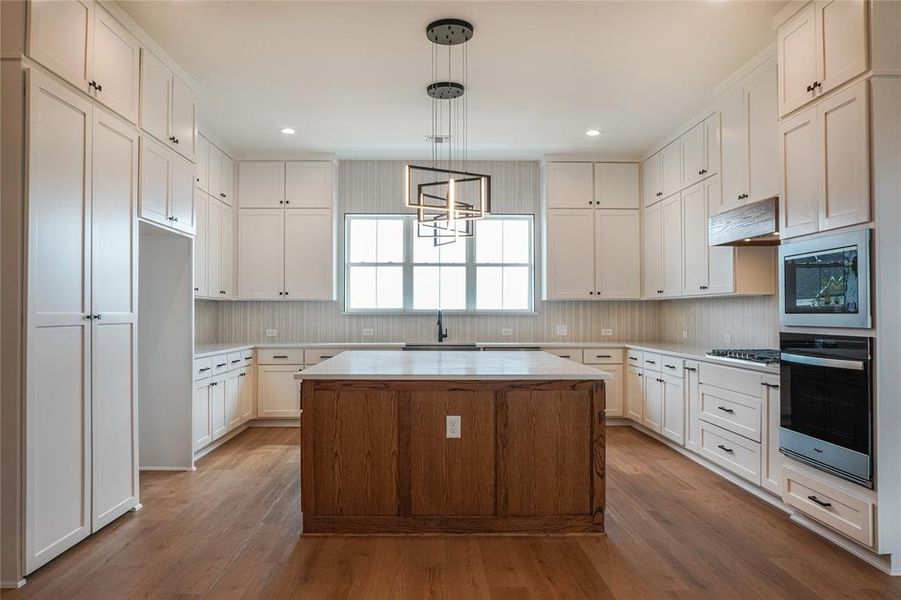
(755, 224)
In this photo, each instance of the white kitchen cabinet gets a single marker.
(201, 238)
(181, 197)
(214, 172)
(218, 408)
(819, 48)
(200, 414)
(671, 168)
(652, 410)
(569, 248)
(800, 175)
(220, 250)
(60, 37)
(634, 394)
(771, 477)
(673, 425)
(166, 187)
(616, 185)
(617, 258)
(233, 384)
(261, 184)
(278, 393)
(712, 145)
(671, 246)
(652, 269)
(309, 254)
(116, 59)
(701, 150)
(227, 253)
(248, 395)
(261, 256)
(693, 407)
(614, 391)
(708, 269)
(652, 179)
(569, 184)
(309, 184)
(168, 107)
(227, 179)
(203, 163)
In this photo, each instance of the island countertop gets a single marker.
(450, 365)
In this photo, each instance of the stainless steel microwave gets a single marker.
(825, 281)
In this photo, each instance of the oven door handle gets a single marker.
(835, 363)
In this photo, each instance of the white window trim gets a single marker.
(408, 264)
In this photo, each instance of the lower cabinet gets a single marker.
(772, 460)
(225, 401)
(248, 389)
(731, 451)
(201, 427)
(234, 384)
(634, 394)
(218, 418)
(692, 407)
(652, 409)
(613, 392)
(673, 425)
(278, 393)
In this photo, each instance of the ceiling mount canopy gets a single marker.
(449, 32)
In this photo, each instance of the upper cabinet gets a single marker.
(86, 46)
(569, 184)
(820, 47)
(651, 180)
(296, 184)
(203, 163)
(261, 184)
(616, 185)
(700, 147)
(166, 190)
(168, 106)
(662, 175)
(220, 175)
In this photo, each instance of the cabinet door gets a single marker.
(734, 147)
(278, 393)
(58, 376)
(720, 259)
(671, 260)
(763, 161)
(309, 254)
(671, 168)
(114, 203)
(616, 185)
(261, 184)
(843, 124)
(261, 254)
(227, 179)
(613, 390)
(248, 393)
(203, 163)
(569, 243)
(617, 254)
(712, 144)
(233, 384)
(695, 248)
(634, 394)
(181, 195)
(60, 37)
(801, 174)
(227, 253)
(309, 184)
(569, 184)
(184, 119)
(201, 237)
(218, 415)
(772, 461)
(652, 247)
(117, 57)
(214, 248)
(200, 417)
(652, 413)
(651, 180)
(796, 44)
(693, 408)
(673, 426)
(154, 181)
(694, 154)
(214, 172)
(841, 32)
(156, 94)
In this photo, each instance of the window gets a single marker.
(388, 268)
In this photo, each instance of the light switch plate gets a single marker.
(684, 334)
(452, 429)
(271, 332)
(606, 332)
(367, 331)
(727, 338)
(507, 331)
(562, 330)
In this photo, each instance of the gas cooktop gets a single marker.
(757, 355)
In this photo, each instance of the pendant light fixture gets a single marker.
(446, 196)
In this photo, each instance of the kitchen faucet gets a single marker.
(442, 332)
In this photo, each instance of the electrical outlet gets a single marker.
(684, 334)
(727, 338)
(271, 333)
(562, 330)
(507, 331)
(452, 429)
(367, 331)
(606, 332)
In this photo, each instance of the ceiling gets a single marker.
(350, 77)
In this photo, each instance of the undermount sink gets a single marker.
(450, 346)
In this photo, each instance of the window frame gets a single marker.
(470, 266)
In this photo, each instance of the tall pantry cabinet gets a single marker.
(81, 450)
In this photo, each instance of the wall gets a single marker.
(752, 322)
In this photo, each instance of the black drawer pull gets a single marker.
(280, 356)
(237, 360)
(325, 356)
(242, 374)
(724, 449)
(214, 383)
(659, 380)
(727, 410)
(692, 369)
(203, 369)
(818, 501)
(633, 358)
(669, 366)
(221, 365)
(602, 356)
(248, 358)
(565, 356)
(651, 362)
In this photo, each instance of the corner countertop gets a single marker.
(439, 365)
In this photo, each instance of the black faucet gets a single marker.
(442, 332)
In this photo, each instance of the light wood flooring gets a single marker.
(232, 530)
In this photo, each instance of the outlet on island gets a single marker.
(452, 427)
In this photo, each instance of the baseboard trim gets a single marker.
(290, 422)
(165, 468)
(883, 562)
(12, 585)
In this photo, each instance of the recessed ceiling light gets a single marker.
(593, 132)
(288, 131)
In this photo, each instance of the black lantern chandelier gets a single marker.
(446, 196)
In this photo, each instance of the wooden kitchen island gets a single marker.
(376, 456)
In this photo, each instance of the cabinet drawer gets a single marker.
(311, 357)
(247, 357)
(220, 363)
(633, 357)
(848, 514)
(280, 356)
(603, 356)
(574, 354)
(672, 366)
(732, 452)
(235, 360)
(651, 361)
(742, 381)
(736, 412)
(203, 367)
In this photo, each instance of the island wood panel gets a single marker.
(552, 436)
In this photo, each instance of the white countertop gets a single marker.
(441, 365)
